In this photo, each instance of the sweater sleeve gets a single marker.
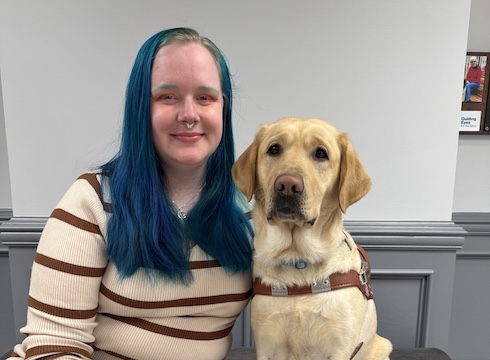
(68, 267)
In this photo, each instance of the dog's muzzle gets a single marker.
(287, 202)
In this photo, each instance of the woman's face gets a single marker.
(185, 89)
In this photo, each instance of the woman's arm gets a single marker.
(66, 275)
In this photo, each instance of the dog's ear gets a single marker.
(354, 181)
(243, 170)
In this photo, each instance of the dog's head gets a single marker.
(297, 168)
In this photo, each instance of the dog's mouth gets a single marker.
(288, 208)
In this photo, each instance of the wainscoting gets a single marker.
(431, 281)
(470, 316)
(7, 331)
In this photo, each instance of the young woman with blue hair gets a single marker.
(149, 257)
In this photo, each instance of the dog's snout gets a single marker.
(289, 185)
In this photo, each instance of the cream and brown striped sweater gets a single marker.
(80, 308)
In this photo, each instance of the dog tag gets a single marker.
(301, 264)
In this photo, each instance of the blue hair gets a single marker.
(143, 231)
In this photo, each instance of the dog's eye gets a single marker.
(321, 154)
(274, 149)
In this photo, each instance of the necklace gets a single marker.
(182, 215)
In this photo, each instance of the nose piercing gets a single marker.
(190, 125)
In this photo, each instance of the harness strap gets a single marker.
(356, 350)
(333, 282)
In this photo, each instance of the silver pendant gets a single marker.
(182, 215)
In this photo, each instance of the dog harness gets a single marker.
(336, 281)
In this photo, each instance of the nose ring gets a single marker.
(190, 125)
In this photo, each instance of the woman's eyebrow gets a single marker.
(173, 86)
(163, 87)
(209, 88)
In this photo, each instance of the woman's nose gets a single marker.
(188, 110)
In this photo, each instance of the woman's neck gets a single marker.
(185, 187)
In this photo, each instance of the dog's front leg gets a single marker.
(276, 354)
(270, 348)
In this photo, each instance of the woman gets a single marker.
(149, 257)
(472, 78)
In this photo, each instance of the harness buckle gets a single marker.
(364, 278)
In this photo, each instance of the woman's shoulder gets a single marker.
(99, 184)
(86, 190)
(93, 178)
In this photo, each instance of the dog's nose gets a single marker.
(289, 185)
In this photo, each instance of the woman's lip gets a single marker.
(188, 137)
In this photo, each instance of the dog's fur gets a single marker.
(304, 174)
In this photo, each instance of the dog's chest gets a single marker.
(301, 321)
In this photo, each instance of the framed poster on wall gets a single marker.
(474, 97)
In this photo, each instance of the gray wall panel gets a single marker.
(470, 321)
(20, 236)
(402, 303)
(7, 328)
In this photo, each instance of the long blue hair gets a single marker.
(143, 231)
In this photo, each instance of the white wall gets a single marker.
(5, 197)
(472, 187)
(386, 72)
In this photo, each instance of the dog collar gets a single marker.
(298, 264)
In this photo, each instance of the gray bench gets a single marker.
(397, 354)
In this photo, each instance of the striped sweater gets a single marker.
(79, 307)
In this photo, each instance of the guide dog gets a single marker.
(312, 296)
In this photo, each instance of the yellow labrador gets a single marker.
(311, 281)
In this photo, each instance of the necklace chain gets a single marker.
(182, 215)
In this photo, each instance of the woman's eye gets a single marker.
(205, 99)
(166, 98)
(274, 149)
(321, 154)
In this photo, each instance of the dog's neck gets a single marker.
(301, 264)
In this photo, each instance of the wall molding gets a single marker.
(22, 231)
(379, 235)
(425, 277)
(477, 226)
(407, 235)
(5, 214)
